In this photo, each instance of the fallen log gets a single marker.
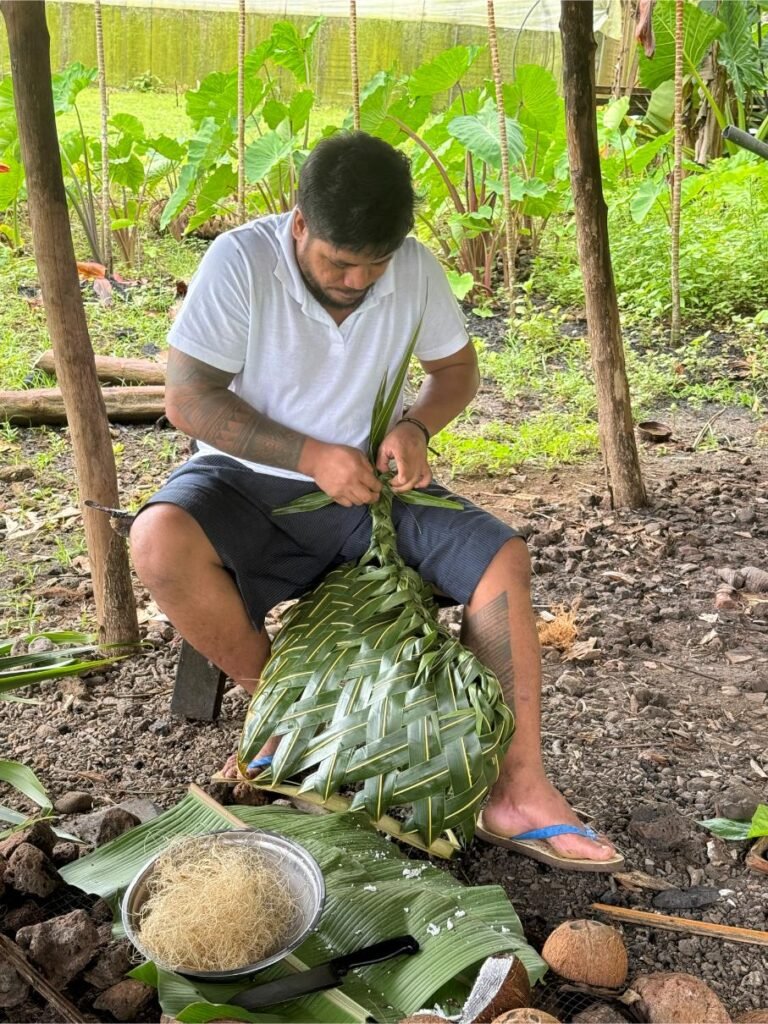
(114, 369)
(140, 404)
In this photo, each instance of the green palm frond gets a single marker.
(368, 691)
(72, 653)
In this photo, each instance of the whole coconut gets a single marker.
(587, 952)
(667, 998)
(525, 1015)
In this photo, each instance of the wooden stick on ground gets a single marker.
(644, 918)
(115, 369)
(67, 1011)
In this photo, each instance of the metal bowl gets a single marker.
(295, 864)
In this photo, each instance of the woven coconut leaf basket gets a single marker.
(370, 693)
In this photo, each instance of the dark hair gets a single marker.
(356, 192)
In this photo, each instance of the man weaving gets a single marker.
(289, 326)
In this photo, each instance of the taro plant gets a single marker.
(138, 165)
(280, 122)
(79, 152)
(457, 156)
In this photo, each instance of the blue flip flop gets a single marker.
(534, 844)
(260, 762)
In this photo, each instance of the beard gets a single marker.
(325, 298)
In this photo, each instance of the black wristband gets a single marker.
(417, 423)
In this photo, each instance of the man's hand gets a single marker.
(406, 445)
(344, 473)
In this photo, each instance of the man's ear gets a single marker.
(298, 225)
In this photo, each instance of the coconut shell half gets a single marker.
(588, 952)
(669, 998)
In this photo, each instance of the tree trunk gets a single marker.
(614, 412)
(627, 48)
(115, 369)
(510, 233)
(106, 217)
(677, 176)
(52, 238)
(241, 112)
(355, 74)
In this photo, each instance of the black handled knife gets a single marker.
(327, 975)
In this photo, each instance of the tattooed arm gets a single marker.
(199, 402)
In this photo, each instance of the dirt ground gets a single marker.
(655, 720)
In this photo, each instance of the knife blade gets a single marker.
(324, 976)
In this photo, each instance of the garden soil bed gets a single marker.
(656, 720)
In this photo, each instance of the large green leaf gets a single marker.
(69, 83)
(299, 110)
(738, 52)
(181, 194)
(263, 155)
(373, 892)
(700, 31)
(480, 134)
(128, 172)
(660, 112)
(645, 198)
(533, 100)
(216, 97)
(7, 107)
(166, 147)
(444, 72)
(127, 124)
(218, 186)
(24, 779)
(292, 50)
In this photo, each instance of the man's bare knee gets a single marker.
(167, 542)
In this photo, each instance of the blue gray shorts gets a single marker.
(277, 558)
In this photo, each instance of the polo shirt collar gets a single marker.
(287, 271)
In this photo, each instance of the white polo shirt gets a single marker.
(248, 311)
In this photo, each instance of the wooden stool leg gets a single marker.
(199, 686)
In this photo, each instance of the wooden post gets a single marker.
(95, 473)
(614, 411)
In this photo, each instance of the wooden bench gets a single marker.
(199, 684)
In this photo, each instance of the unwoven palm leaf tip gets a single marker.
(365, 686)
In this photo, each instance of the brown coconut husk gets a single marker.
(215, 906)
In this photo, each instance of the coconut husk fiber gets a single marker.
(215, 906)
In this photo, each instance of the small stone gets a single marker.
(75, 802)
(144, 810)
(23, 916)
(40, 835)
(65, 853)
(738, 802)
(103, 826)
(62, 946)
(111, 965)
(13, 988)
(160, 727)
(128, 1000)
(30, 871)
